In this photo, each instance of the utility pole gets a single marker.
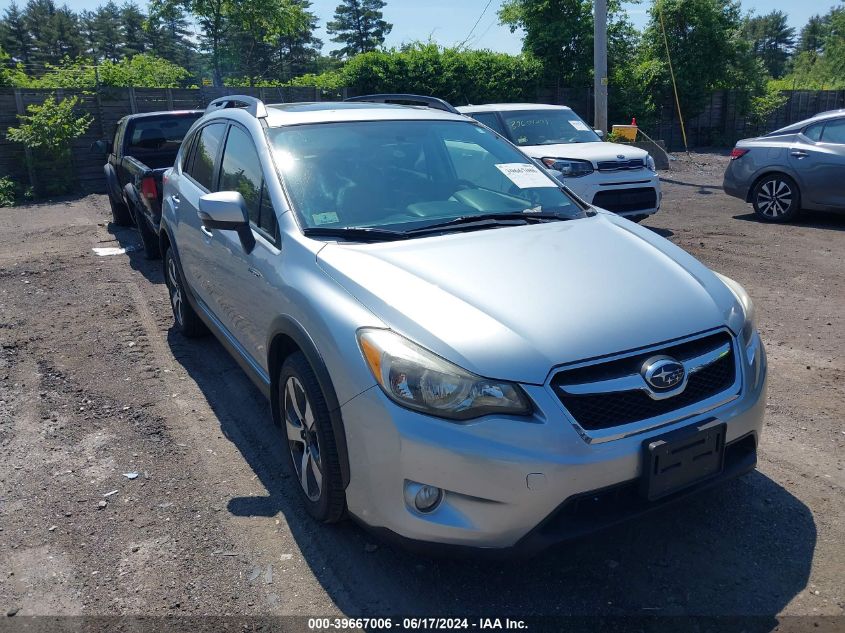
(600, 63)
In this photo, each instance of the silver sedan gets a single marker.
(801, 166)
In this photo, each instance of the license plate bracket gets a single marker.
(681, 459)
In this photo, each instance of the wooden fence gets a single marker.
(107, 105)
(720, 124)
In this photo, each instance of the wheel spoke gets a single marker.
(293, 431)
(308, 417)
(303, 470)
(291, 406)
(781, 186)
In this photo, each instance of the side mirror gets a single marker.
(226, 211)
(600, 133)
(101, 147)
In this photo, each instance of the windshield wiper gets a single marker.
(359, 233)
(487, 220)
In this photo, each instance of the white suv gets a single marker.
(619, 178)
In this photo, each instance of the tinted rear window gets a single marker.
(148, 136)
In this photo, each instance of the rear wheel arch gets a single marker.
(288, 338)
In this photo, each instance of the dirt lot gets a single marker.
(94, 384)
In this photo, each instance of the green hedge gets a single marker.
(457, 75)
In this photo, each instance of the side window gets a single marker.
(241, 171)
(834, 132)
(185, 150)
(202, 165)
(491, 120)
(814, 132)
(116, 139)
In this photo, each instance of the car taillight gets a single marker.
(148, 188)
(738, 152)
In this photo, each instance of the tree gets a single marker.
(358, 25)
(813, 34)
(560, 34)
(168, 33)
(771, 39)
(132, 21)
(819, 62)
(299, 49)
(49, 130)
(256, 29)
(213, 17)
(707, 53)
(105, 32)
(14, 35)
(68, 39)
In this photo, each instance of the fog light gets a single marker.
(427, 498)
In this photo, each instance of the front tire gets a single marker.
(776, 198)
(186, 320)
(312, 450)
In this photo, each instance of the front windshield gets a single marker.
(547, 127)
(401, 175)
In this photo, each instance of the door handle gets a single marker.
(798, 153)
(175, 199)
(207, 232)
(255, 272)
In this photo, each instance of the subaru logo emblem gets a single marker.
(663, 372)
(620, 156)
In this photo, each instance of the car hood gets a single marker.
(512, 303)
(594, 152)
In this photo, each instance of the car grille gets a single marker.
(620, 165)
(620, 200)
(593, 411)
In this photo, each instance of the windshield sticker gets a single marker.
(579, 125)
(525, 175)
(329, 217)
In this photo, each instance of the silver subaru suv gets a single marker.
(457, 350)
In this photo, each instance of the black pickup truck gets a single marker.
(144, 146)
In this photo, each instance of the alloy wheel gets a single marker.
(176, 297)
(774, 198)
(303, 440)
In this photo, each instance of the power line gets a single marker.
(466, 39)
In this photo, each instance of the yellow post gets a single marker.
(672, 74)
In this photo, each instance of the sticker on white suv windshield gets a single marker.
(525, 175)
(329, 217)
(579, 125)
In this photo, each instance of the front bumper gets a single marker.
(625, 193)
(512, 482)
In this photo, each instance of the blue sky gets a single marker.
(449, 22)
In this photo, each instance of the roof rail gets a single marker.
(252, 105)
(407, 99)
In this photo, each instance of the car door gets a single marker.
(242, 284)
(196, 178)
(818, 157)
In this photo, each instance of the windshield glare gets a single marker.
(547, 127)
(401, 175)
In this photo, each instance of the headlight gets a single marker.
(747, 306)
(569, 167)
(417, 379)
(649, 162)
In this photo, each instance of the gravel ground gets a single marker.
(95, 385)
